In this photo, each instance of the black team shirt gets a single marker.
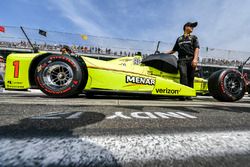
(186, 45)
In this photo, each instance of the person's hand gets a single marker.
(194, 63)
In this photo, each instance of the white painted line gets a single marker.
(52, 151)
(143, 148)
(169, 115)
(118, 115)
(114, 102)
(186, 115)
(143, 115)
(149, 115)
(125, 150)
(30, 91)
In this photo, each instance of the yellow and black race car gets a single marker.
(68, 75)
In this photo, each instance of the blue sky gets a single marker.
(223, 24)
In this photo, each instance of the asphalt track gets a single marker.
(36, 130)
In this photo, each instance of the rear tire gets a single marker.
(226, 85)
(61, 76)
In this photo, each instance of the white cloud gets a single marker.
(80, 14)
(222, 23)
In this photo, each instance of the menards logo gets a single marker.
(139, 80)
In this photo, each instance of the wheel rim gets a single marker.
(57, 75)
(233, 84)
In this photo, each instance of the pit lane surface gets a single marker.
(119, 131)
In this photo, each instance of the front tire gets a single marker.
(61, 76)
(226, 85)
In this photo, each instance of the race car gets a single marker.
(65, 75)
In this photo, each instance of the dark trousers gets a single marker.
(186, 72)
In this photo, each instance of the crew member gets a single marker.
(187, 46)
(66, 50)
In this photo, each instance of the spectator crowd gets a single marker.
(74, 48)
(222, 62)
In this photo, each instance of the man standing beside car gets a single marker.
(188, 48)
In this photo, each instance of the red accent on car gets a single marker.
(75, 82)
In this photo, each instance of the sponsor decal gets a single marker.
(57, 93)
(168, 91)
(184, 42)
(126, 60)
(18, 83)
(151, 115)
(137, 61)
(52, 58)
(139, 80)
(15, 87)
(14, 83)
(150, 72)
(123, 64)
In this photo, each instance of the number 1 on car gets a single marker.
(16, 68)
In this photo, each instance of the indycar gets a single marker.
(60, 75)
(64, 75)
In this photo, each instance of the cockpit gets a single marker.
(164, 62)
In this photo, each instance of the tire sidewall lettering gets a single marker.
(65, 59)
(68, 89)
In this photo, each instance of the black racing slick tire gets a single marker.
(226, 85)
(61, 76)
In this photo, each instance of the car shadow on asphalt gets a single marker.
(51, 125)
(48, 140)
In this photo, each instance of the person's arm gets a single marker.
(175, 48)
(196, 56)
(196, 52)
